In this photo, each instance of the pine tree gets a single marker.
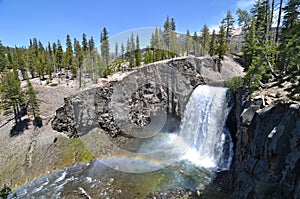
(212, 44)
(9, 59)
(244, 19)
(229, 21)
(3, 60)
(32, 60)
(50, 65)
(261, 12)
(130, 55)
(167, 35)
(11, 93)
(256, 58)
(69, 57)
(289, 40)
(54, 49)
(156, 45)
(204, 39)
(278, 22)
(138, 54)
(19, 62)
(250, 45)
(195, 43)
(174, 44)
(260, 50)
(59, 56)
(32, 102)
(84, 44)
(92, 58)
(188, 42)
(173, 25)
(104, 46)
(148, 56)
(222, 40)
(41, 61)
(122, 51)
(116, 50)
(79, 56)
(5, 191)
(132, 51)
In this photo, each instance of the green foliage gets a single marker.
(5, 191)
(50, 65)
(104, 45)
(19, 63)
(188, 42)
(222, 41)
(175, 47)
(107, 72)
(122, 51)
(244, 19)
(68, 58)
(11, 93)
(196, 46)
(59, 56)
(148, 56)
(167, 34)
(3, 60)
(289, 48)
(205, 38)
(235, 83)
(212, 44)
(84, 44)
(31, 101)
(156, 45)
(229, 21)
(138, 54)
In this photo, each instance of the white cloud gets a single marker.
(214, 27)
(245, 4)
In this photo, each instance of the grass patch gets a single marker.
(76, 152)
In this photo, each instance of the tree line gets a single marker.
(268, 52)
(271, 52)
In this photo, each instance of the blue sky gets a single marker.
(49, 20)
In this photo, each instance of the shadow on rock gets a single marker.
(19, 128)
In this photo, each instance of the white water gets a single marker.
(201, 142)
(203, 127)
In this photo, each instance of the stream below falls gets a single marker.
(185, 159)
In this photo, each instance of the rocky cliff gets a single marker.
(267, 149)
(149, 94)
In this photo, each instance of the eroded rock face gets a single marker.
(267, 152)
(157, 89)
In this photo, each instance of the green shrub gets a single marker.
(235, 83)
(5, 191)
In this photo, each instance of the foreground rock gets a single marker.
(267, 149)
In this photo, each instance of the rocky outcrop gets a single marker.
(148, 94)
(267, 150)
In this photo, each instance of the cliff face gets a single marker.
(267, 150)
(148, 94)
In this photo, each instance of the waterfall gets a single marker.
(186, 158)
(203, 128)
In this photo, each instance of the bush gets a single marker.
(235, 83)
(106, 72)
(5, 191)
